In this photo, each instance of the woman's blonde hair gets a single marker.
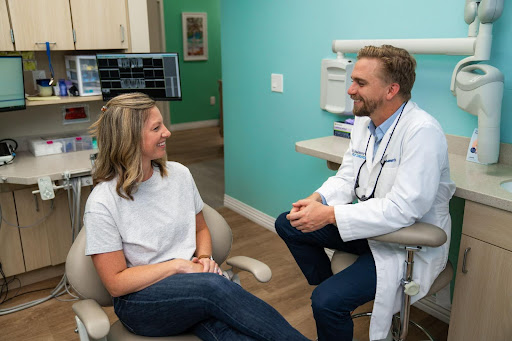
(119, 134)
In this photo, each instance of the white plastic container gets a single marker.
(83, 142)
(46, 146)
(83, 73)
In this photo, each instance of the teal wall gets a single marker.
(198, 78)
(291, 37)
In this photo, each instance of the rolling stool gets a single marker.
(412, 238)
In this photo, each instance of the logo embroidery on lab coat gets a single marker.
(357, 153)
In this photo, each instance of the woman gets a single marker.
(150, 243)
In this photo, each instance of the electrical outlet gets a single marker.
(46, 188)
(212, 100)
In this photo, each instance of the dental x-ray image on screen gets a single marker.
(155, 74)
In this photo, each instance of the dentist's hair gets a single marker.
(118, 131)
(397, 66)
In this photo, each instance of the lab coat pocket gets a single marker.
(386, 181)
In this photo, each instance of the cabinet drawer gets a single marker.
(488, 224)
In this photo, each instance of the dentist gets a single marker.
(397, 170)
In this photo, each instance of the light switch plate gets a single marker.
(276, 82)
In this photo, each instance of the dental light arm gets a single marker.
(477, 45)
(479, 91)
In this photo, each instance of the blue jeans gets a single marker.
(336, 296)
(206, 304)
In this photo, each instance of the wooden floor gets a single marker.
(288, 291)
(195, 145)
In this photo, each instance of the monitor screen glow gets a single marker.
(155, 74)
(12, 90)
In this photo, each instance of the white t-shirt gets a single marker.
(158, 225)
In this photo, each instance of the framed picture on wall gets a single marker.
(195, 36)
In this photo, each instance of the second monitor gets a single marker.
(155, 74)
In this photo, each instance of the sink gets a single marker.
(507, 185)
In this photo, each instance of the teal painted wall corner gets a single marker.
(199, 79)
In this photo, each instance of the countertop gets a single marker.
(475, 182)
(26, 168)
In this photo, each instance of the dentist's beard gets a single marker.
(367, 108)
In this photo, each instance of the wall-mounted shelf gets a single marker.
(63, 100)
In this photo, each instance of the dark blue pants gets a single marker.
(336, 295)
(209, 305)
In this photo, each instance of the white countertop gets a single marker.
(26, 168)
(475, 182)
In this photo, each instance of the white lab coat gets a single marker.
(414, 186)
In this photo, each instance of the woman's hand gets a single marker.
(209, 265)
(187, 267)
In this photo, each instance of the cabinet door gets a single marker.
(11, 255)
(482, 308)
(48, 239)
(5, 29)
(58, 227)
(99, 24)
(35, 22)
(34, 236)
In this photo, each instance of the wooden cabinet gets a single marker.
(5, 29)
(35, 22)
(49, 237)
(99, 24)
(68, 24)
(11, 255)
(482, 308)
(45, 236)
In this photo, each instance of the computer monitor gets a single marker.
(12, 90)
(155, 74)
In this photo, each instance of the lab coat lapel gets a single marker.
(369, 151)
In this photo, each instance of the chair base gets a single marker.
(394, 330)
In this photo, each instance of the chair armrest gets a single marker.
(95, 320)
(418, 234)
(260, 270)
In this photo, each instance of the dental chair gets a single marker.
(92, 321)
(412, 239)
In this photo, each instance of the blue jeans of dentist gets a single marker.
(335, 296)
(206, 304)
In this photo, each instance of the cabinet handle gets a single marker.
(464, 270)
(122, 33)
(36, 202)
